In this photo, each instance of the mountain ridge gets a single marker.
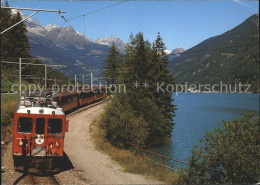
(109, 40)
(66, 46)
(231, 64)
(175, 53)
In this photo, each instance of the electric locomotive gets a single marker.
(40, 125)
(38, 131)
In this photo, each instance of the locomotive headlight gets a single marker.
(57, 144)
(20, 143)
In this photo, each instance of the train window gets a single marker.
(54, 126)
(40, 124)
(25, 124)
(72, 98)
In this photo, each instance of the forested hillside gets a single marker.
(231, 57)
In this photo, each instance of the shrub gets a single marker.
(121, 125)
(227, 155)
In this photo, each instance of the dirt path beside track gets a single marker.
(92, 165)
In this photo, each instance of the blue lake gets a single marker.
(201, 112)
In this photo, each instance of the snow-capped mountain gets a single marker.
(30, 23)
(108, 41)
(49, 27)
(167, 52)
(175, 53)
(178, 51)
(66, 46)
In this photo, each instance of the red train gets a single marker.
(40, 125)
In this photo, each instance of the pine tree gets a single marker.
(113, 64)
(159, 46)
(14, 42)
(20, 42)
(164, 100)
(19, 38)
(142, 67)
(135, 68)
(6, 43)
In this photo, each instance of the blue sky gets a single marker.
(181, 23)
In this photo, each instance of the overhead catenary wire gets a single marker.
(10, 62)
(24, 19)
(98, 10)
(66, 20)
(38, 10)
(32, 9)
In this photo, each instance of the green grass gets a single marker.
(132, 162)
(8, 106)
(6, 85)
(6, 98)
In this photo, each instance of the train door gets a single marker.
(39, 148)
(39, 130)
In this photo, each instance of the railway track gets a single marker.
(48, 180)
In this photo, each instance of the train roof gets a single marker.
(40, 110)
(66, 93)
(35, 104)
(76, 92)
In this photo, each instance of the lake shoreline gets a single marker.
(198, 113)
